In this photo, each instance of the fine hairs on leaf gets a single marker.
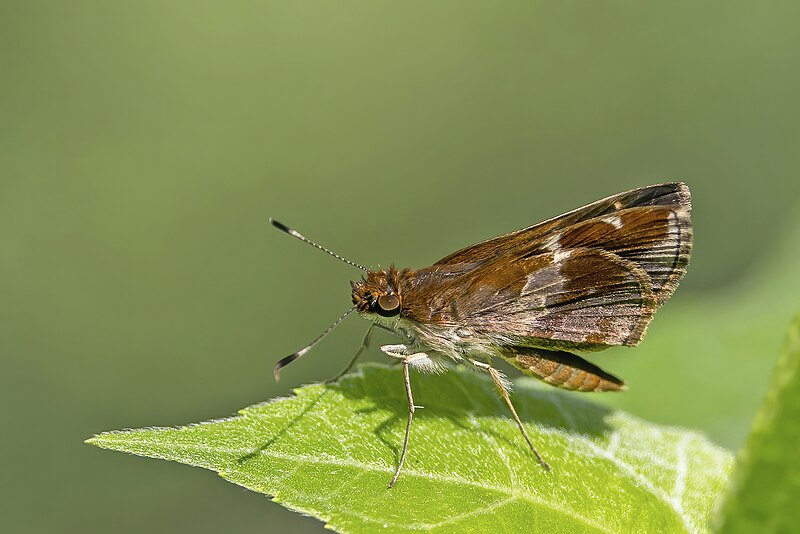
(328, 451)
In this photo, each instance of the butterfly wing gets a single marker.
(578, 299)
(650, 226)
(674, 194)
(586, 280)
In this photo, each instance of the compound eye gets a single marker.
(388, 305)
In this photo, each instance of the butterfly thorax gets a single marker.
(404, 302)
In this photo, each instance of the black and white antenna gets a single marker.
(295, 355)
(292, 357)
(294, 233)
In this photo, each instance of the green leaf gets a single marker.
(330, 451)
(766, 486)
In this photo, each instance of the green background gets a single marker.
(144, 144)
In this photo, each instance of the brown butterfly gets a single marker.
(583, 281)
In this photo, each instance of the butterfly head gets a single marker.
(377, 293)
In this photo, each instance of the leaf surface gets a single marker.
(330, 450)
(766, 486)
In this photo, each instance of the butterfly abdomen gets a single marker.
(562, 369)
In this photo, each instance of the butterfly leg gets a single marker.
(397, 351)
(364, 346)
(500, 383)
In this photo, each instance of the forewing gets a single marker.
(579, 299)
(650, 227)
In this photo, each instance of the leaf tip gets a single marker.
(99, 440)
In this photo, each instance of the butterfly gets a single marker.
(584, 281)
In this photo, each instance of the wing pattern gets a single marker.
(586, 280)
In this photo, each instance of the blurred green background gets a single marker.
(144, 144)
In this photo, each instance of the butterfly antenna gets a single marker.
(294, 233)
(292, 357)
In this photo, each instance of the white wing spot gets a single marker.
(552, 243)
(561, 255)
(613, 220)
